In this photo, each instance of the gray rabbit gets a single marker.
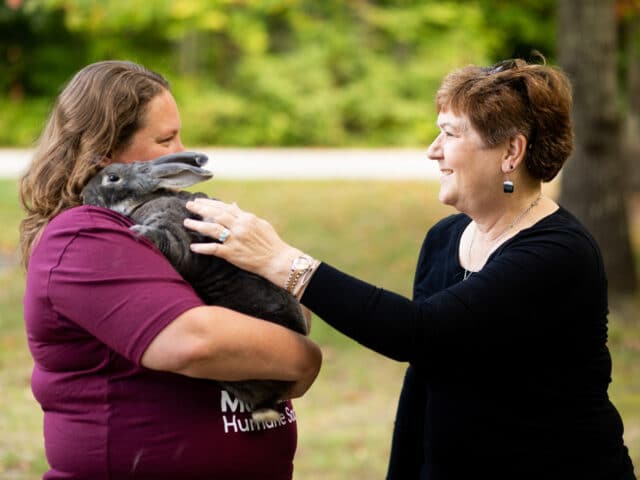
(147, 192)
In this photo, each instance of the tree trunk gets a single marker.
(593, 182)
(632, 122)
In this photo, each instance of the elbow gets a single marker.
(307, 371)
(310, 367)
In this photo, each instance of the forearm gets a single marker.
(381, 320)
(221, 344)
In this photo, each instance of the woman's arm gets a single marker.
(469, 316)
(383, 321)
(102, 280)
(218, 343)
(496, 312)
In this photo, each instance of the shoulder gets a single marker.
(438, 264)
(87, 216)
(86, 220)
(90, 231)
(442, 238)
(447, 230)
(563, 230)
(563, 242)
(455, 221)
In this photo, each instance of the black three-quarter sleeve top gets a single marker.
(508, 370)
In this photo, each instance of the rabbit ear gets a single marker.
(179, 170)
(195, 159)
(178, 175)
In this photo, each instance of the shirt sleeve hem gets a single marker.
(141, 344)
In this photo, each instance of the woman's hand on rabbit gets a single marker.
(245, 240)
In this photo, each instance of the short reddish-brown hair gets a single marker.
(514, 97)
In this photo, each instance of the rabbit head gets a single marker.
(125, 186)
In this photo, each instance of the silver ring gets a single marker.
(224, 234)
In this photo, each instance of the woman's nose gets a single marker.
(434, 152)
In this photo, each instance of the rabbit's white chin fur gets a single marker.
(265, 415)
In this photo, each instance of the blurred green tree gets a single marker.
(267, 72)
(34, 48)
(522, 27)
(321, 73)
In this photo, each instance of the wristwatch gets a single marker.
(299, 267)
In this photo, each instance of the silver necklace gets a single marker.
(467, 273)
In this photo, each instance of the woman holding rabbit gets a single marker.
(123, 348)
(506, 334)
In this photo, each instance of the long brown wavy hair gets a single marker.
(95, 116)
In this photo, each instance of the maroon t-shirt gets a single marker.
(96, 296)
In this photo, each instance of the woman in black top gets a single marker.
(506, 334)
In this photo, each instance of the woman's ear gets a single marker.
(516, 148)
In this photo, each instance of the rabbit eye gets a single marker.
(113, 177)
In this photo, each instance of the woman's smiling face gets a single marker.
(469, 168)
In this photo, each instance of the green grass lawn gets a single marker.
(371, 229)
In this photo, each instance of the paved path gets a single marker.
(289, 163)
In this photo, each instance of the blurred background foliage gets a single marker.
(341, 73)
(268, 72)
(344, 73)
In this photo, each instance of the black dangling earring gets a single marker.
(507, 185)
